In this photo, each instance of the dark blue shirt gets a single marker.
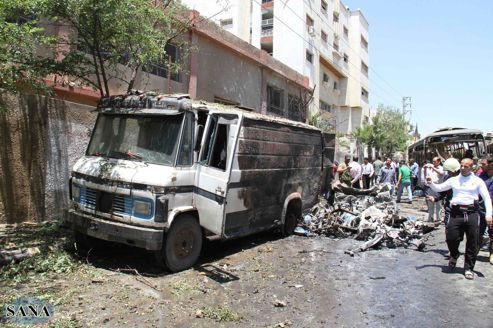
(387, 174)
(415, 169)
(489, 182)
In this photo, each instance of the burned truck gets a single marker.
(163, 173)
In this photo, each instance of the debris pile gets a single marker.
(369, 215)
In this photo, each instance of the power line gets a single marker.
(317, 49)
(348, 45)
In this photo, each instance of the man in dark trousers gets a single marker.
(487, 176)
(464, 215)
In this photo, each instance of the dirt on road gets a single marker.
(261, 281)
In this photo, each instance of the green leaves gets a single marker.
(100, 40)
(387, 133)
(118, 36)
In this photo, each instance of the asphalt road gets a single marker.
(267, 281)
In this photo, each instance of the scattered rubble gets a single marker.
(17, 255)
(369, 215)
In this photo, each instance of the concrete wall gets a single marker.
(41, 139)
(289, 47)
(225, 74)
(222, 73)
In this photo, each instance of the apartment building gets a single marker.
(321, 39)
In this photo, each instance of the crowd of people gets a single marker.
(459, 192)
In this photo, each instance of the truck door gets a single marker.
(213, 170)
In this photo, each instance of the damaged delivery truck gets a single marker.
(163, 173)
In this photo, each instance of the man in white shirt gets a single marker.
(464, 216)
(436, 173)
(355, 170)
(367, 171)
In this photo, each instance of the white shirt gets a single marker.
(465, 190)
(368, 169)
(431, 173)
(355, 171)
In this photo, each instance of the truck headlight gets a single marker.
(75, 192)
(142, 207)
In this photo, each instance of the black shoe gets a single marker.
(452, 262)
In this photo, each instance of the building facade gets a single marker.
(221, 68)
(321, 39)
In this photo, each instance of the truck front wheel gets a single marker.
(182, 244)
(293, 214)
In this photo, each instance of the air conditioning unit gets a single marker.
(311, 30)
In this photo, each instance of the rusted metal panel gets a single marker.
(281, 133)
(276, 148)
(275, 161)
(258, 162)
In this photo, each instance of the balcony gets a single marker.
(267, 31)
(268, 22)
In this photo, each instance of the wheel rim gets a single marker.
(183, 243)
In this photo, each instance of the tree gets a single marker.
(21, 36)
(322, 120)
(387, 133)
(113, 37)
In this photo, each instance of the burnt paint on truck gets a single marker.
(275, 160)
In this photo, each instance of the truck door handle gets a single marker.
(220, 190)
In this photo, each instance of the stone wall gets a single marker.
(40, 140)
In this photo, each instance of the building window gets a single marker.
(364, 93)
(323, 36)
(309, 21)
(335, 17)
(335, 86)
(172, 55)
(364, 68)
(309, 56)
(274, 99)
(345, 31)
(346, 58)
(226, 23)
(325, 77)
(294, 108)
(364, 43)
(324, 106)
(310, 25)
(335, 45)
(323, 7)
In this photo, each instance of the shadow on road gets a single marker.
(447, 270)
(134, 261)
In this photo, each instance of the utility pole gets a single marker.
(406, 105)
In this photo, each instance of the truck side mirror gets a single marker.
(198, 140)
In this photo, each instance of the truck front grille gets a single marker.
(105, 202)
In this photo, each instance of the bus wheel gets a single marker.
(293, 213)
(182, 244)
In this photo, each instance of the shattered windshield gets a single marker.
(150, 139)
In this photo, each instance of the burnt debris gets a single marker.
(368, 215)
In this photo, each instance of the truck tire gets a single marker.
(293, 213)
(182, 244)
